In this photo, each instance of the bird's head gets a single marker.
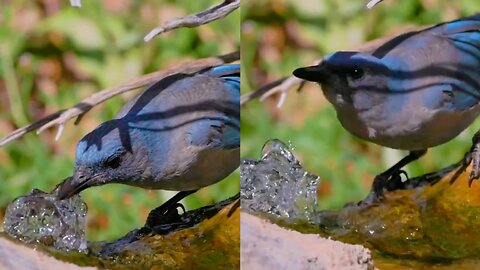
(346, 75)
(106, 155)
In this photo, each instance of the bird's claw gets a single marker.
(377, 186)
(395, 182)
(391, 181)
(179, 205)
(164, 215)
(467, 158)
(473, 157)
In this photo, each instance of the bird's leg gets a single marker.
(165, 213)
(472, 156)
(394, 173)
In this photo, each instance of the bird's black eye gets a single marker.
(114, 161)
(356, 73)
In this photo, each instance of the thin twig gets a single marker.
(281, 86)
(76, 3)
(61, 117)
(261, 91)
(373, 3)
(211, 14)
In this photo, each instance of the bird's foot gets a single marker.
(163, 218)
(473, 157)
(387, 181)
(395, 181)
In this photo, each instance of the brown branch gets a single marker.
(211, 14)
(373, 3)
(279, 86)
(261, 91)
(287, 84)
(61, 117)
(76, 3)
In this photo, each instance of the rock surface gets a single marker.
(15, 256)
(267, 246)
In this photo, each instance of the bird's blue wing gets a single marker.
(444, 58)
(466, 24)
(223, 130)
(216, 133)
(230, 75)
(465, 34)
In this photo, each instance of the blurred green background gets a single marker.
(281, 35)
(53, 55)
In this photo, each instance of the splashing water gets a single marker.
(39, 217)
(278, 185)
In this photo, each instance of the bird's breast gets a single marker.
(413, 128)
(204, 167)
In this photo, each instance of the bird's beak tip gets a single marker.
(69, 187)
(64, 189)
(311, 73)
(298, 72)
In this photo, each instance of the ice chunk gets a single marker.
(277, 184)
(39, 217)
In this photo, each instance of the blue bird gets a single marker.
(181, 133)
(416, 91)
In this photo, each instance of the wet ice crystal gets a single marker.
(277, 184)
(39, 217)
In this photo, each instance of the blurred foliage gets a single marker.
(281, 35)
(53, 55)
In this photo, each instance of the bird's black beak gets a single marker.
(75, 185)
(317, 73)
